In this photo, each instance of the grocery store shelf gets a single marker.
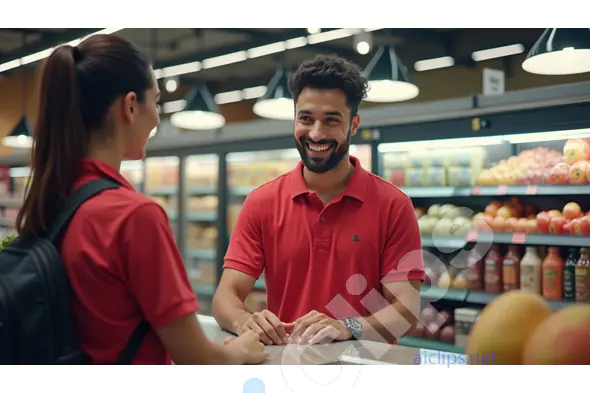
(436, 293)
(454, 242)
(205, 290)
(513, 190)
(241, 191)
(10, 202)
(482, 299)
(417, 342)
(196, 216)
(202, 253)
(506, 238)
(7, 222)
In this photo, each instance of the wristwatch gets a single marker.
(354, 327)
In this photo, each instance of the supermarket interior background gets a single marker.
(495, 122)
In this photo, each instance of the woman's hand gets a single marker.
(246, 349)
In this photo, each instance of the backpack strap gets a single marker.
(76, 200)
(134, 343)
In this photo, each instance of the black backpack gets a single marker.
(36, 323)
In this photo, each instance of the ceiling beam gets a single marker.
(47, 42)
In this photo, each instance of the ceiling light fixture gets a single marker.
(388, 78)
(494, 53)
(200, 112)
(20, 136)
(277, 102)
(560, 52)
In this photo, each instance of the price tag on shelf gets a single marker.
(476, 190)
(502, 190)
(471, 236)
(518, 238)
(531, 190)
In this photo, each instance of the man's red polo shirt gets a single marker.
(326, 258)
(123, 265)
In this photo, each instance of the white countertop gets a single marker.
(363, 352)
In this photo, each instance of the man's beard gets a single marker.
(322, 165)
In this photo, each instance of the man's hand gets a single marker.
(268, 326)
(315, 327)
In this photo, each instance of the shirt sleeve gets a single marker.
(402, 258)
(154, 267)
(245, 252)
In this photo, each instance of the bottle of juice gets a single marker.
(493, 270)
(583, 277)
(511, 269)
(475, 270)
(569, 276)
(531, 271)
(553, 275)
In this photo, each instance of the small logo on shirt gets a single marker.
(356, 238)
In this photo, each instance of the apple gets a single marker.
(584, 226)
(578, 172)
(498, 224)
(511, 224)
(556, 226)
(559, 174)
(572, 210)
(576, 150)
(568, 228)
(543, 221)
(504, 212)
(531, 226)
(491, 210)
(554, 213)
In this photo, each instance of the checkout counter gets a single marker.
(343, 352)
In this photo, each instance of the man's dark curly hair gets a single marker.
(331, 72)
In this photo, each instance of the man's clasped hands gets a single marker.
(312, 328)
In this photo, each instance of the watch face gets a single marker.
(354, 324)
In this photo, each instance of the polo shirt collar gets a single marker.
(356, 188)
(93, 167)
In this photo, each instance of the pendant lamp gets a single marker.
(200, 113)
(388, 78)
(20, 137)
(560, 52)
(277, 103)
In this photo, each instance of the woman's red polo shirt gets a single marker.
(123, 265)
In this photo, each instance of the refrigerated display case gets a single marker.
(483, 203)
(12, 191)
(161, 183)
(133, 172)
(201, 177)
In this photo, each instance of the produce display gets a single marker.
(543, 166)
(444, 220)
(528, 167)
(520, 327)
(514, 216)
(437, 167)
(435, 325)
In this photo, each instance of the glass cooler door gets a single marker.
(201, 233)
(161, 183)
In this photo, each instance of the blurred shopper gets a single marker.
(98, 104)
(339, 247)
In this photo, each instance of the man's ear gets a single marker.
(356, 121)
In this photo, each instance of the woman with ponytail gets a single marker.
(98, 104)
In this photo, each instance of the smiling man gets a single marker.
(339, 247)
